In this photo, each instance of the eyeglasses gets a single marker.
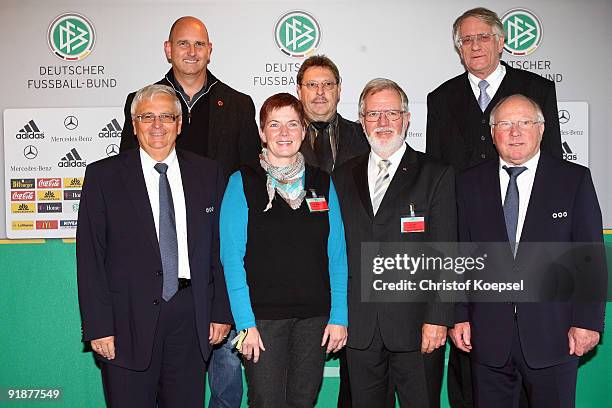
(374, 116)
(313, 86)
(163, 117)
(506, 125)
(187, 44)
(482, 38)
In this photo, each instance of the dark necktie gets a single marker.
(168, 243)
(322, 146)
(483, 98)
(511, 205)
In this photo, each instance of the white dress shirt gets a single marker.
(373, 168)
(151, 177)
(494, 80)
(524, 183)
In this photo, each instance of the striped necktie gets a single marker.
(382, 182)
(168, 242)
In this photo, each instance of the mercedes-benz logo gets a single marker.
(71, 122)
(30, 152)
(564, 116)
(112, 149)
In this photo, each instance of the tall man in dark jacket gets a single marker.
(458, 124)
(219, 123)
(458, 110)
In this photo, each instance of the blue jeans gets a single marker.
(225, 375)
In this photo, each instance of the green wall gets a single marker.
(40, 333)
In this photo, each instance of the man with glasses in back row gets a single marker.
(458, 125)
(218, 122)
(330, 141)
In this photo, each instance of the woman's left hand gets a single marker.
(335, 336)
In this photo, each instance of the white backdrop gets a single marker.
(405, 41)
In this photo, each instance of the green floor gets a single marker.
(40, 334)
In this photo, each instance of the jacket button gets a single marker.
(156, 302)
(159, 273)
(483, 156)
(482, 138)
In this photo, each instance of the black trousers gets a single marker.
(289, 373)
(175, 376)
(376, 374)
(500, 387)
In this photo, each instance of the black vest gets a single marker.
(286, 253)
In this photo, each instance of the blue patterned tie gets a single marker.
(511, 205)
(168, 244)
(483, 98)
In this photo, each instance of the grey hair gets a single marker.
(380, 84)
(149, 91)
(534, 104)
(483, 14)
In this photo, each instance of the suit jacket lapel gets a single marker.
(190, 190)
(540, 186)
(134, 182)
(360, 176)
(492, 202)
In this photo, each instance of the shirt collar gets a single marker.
(210, 81)
(531, 164)
(495, 76)
(149, 163)
(395, 158)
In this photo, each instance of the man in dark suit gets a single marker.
(458, 125)
(330, 139)
(517, 199)
(394, 345)
(458, 110)
(149, 277)
(218, 121)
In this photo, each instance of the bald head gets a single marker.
(188, 49)
(188, 21)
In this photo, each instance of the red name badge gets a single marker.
(317, 204)
(413, 224)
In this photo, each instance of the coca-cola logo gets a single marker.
(22, 195)
(49, 182)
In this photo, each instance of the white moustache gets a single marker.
(384, 129)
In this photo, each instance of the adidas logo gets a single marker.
(30, 131)
(72, 159)
(567, 152)
(113, 129)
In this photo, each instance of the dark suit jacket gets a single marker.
(352, 142)
(458, 131)
(233, 138)
(559, 186)
(118, 259)
(428, 184)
